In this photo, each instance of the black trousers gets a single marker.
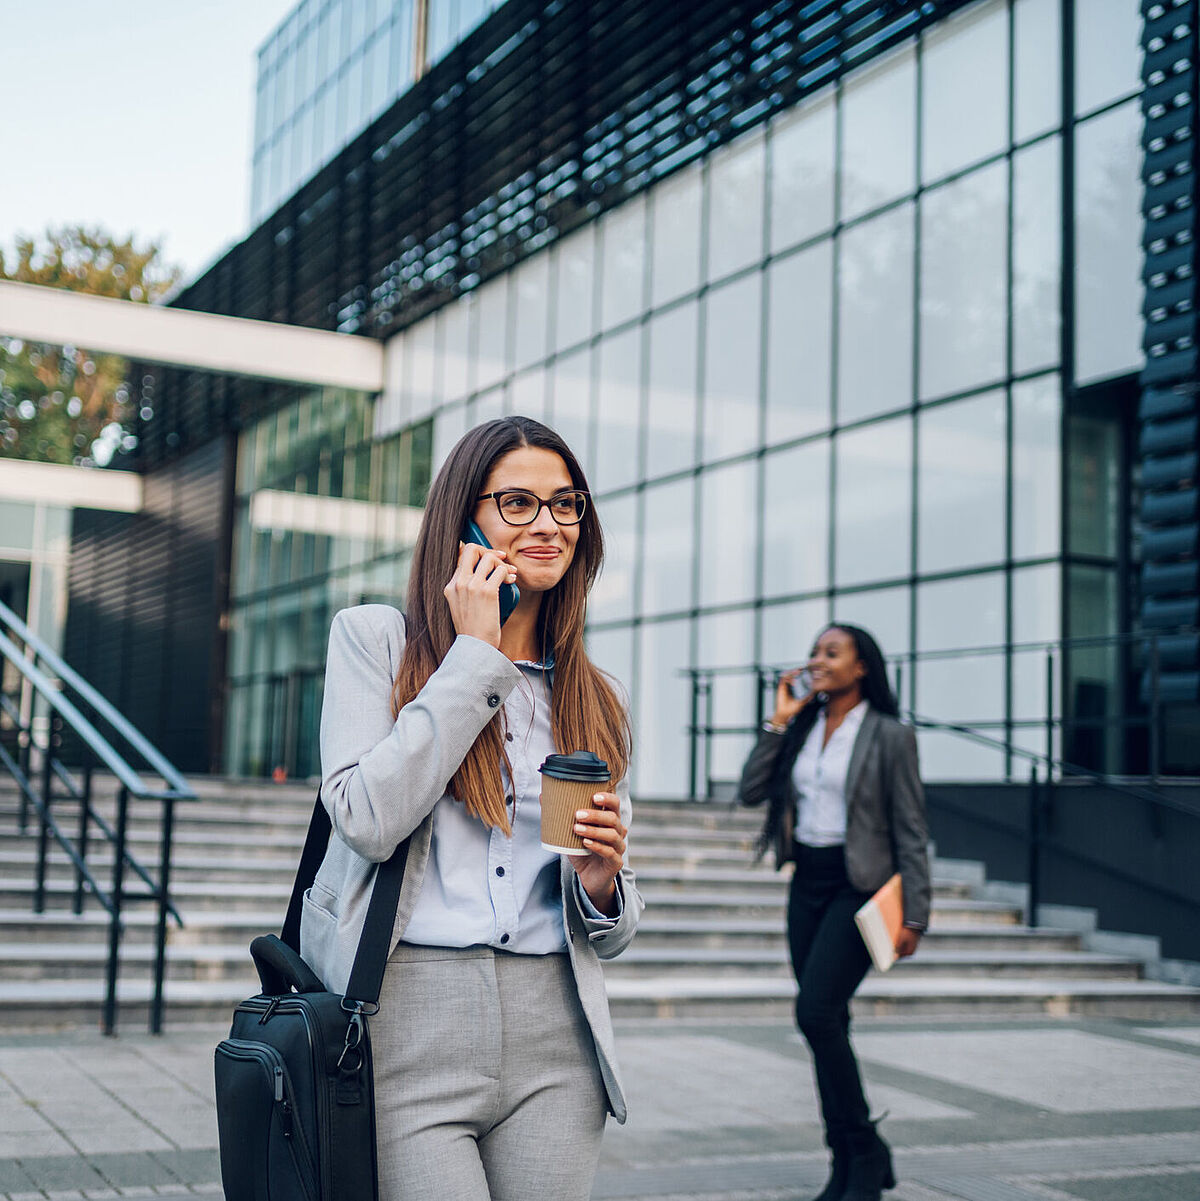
(830, 960)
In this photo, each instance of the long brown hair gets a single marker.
(585, 713)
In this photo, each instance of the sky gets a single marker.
(135, 115)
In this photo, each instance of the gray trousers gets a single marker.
(486, 1081)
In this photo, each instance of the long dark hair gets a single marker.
(876, 690)
(584, 709)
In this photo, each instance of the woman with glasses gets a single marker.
(845, 804)
(493, 1050)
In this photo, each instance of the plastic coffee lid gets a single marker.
(579, 765)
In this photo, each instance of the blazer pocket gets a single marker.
(322, 898)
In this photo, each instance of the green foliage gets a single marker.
(62, 404)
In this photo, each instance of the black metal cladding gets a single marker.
(1170, 409)
(550, 112)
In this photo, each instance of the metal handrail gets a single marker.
(63, 713)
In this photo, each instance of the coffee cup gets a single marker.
(568, 784)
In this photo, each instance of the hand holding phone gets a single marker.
(509, 593)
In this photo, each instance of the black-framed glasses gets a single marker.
(518, 507)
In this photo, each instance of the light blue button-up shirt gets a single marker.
(482, 887)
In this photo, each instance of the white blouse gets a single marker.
(819, 775)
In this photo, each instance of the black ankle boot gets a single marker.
(839, 1171)
(870, 1167)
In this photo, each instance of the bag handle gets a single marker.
(366, 976)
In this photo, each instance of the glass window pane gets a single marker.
(612, 652)
(422, 353)
(612, 596)
(729, 519)
(486, 406)
(449, 424)
(572, 404)
(878, 128)
(727, 640)
(455, 321)
(675, 246)
(732, 351)
(875, 316)
(1037, 67)
(788, 631)
(492, 355)
(531, 307)
(1108, 244)
(402, 49)
(623, 237)
(671, 402)
(619, 410)
(799, 343)
(1037, 255)
(1108, 52)
(664, 699)
(1036, 617)
(964, 230)
(802, 165)
(796, 519)
(575, 256)
(1037, 468)
(961, 483)
(882, 612)
(873, 514)
(736, 179)
(528, 394)
(1095, 498)
(964, 64)
(666, 547)
(967, 612)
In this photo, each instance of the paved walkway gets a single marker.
(1070, 1110)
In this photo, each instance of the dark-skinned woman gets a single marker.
(845, 804)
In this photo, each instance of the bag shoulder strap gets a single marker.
(366, 976)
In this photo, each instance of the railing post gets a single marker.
(47, 773)
(1035, 848)
(114, 929)
(693, 737)
(759, 708)
(85, 813)
(1155, 708)
(160, 933)
(708, 738)
(1050, 714)
(900, 685)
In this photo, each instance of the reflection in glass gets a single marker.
(1108, 56)
(619, 405)
(663, 709)
(675, 245)
(736, 180)
(491, 360)
(1036, 468)
(1094, 493)
(875, 316)
(878, 127)
(574, 287)
(731, 356)
(964, 64)
(671, 402)
(964, 228)
(967, 612)
(1108, 244)
(873, 502)
(572, 404)
(1037, 67)
(531, 298)
(802, 168)
(611, 598)
(799, 338)
(1037, 255)
(961, 483)
(729, 534)
(623, 238)
(796, 519)
(667, 547)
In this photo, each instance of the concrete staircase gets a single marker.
(711, 942)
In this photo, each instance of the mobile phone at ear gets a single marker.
(509, 593)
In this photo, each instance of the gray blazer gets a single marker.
(380, 782)
(886, 828)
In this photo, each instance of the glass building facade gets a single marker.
(873, 360)
(330, 68)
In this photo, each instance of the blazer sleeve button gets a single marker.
(493, 700)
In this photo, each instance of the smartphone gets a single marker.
(509, 593)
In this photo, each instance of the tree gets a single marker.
(62, 404)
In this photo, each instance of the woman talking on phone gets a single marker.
(845, 803)
(493, 1049)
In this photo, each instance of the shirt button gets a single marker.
(503, 938)
(499, 871)
(508, 737)
(493, 700)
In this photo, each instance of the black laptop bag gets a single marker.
(295, 1091)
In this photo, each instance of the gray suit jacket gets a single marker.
(886, 829)
(380, 782)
